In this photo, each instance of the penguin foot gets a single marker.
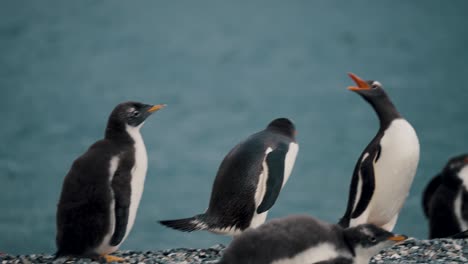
(110, 258)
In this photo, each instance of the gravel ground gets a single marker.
(446, 251)
(438, 251)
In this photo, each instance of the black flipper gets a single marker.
(344, 221)
(275, 162)
(429, 191)
(368, 183)
(121, 187)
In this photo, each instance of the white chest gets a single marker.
(394, 171)
(364, 255)
(458, 204)
(138, 175)
(463, 175)
(290, 160)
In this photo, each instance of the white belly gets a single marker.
(458, 204)
(458, 211)
(138, 176)
(394, 171)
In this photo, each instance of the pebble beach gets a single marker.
(447, 251)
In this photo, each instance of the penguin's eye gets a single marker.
(372, 239)
(136, 113)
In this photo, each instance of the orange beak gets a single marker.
(398, 238)
(156, 108)
(361, 84)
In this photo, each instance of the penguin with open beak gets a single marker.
(385, 169)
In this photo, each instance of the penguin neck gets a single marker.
(349, 244)
(463, 175)
(454, 180)
(385, 109)
(121, 133)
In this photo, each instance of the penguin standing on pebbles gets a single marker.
(248, 182)
(386, 168)
(304, 239)
(445, 199)
(102, 190)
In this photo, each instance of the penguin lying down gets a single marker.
(306, 240)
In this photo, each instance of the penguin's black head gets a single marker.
(132, 113)
(368, 89)
(456, 164)
(284, 126)
(455, 172)
(370, 238)
(374, 94)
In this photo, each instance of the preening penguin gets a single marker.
(102, 190)
(445, 199)
(304, 239)
(386, 168)
(248, 182)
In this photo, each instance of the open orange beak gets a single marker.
(155, 108)
(398, 238)
(361, 84)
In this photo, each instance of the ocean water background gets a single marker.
(225, 69)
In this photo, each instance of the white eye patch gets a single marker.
(367, 232)
(131, 109)
(376, 83)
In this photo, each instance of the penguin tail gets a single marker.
(190, 224)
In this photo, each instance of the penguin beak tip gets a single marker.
(398, 238)
(361, 84)
(155, 108)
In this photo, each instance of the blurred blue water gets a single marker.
(225, 69)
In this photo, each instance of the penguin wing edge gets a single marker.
(275, 163)
(122, 193)
(367, 177)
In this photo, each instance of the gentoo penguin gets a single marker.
(445, 199)
(102, 190)
(248, 182)
(385, 170)
(304, 239)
